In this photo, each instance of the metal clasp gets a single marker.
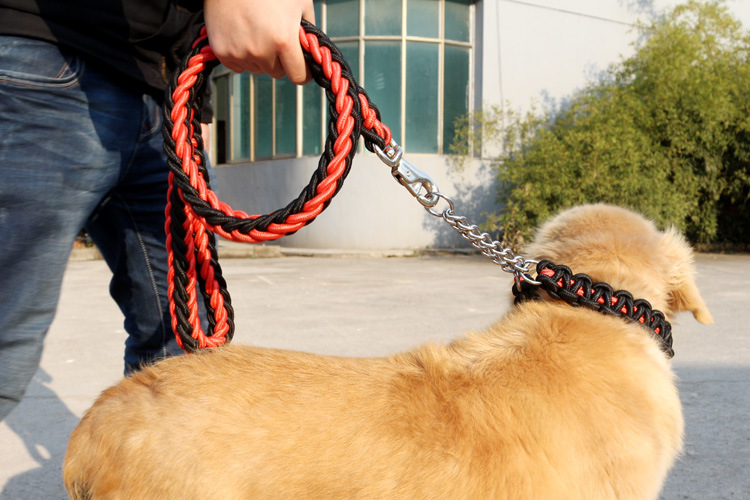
(413, 179)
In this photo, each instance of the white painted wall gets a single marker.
(371, 211)
(541, 51)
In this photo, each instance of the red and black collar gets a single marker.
(580, 290)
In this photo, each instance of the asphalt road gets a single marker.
(374, 306)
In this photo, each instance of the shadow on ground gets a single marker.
(45, 437)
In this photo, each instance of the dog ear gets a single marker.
(687, 298)
(683, 291)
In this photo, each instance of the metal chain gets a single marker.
(414, 181)
(503, 257)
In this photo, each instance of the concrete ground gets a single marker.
(364, 306)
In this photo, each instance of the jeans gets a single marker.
(78, 148)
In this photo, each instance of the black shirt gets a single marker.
(142, 40)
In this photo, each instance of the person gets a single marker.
(81, 92)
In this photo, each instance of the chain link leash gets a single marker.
(424, 189)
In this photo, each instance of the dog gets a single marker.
(551, 402)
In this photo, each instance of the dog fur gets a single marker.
(551, 402)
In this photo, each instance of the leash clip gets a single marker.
(520, 277)
(413, 179)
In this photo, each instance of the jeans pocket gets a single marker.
(27, 62)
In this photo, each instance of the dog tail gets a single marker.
(75, 482)
(80, 464)
(78, 491)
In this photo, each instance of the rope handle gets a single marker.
(194, 214)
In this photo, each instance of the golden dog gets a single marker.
(550, 402)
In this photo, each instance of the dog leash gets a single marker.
(194, 214)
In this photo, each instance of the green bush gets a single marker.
(665, 132)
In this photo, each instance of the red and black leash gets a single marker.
(194, 213)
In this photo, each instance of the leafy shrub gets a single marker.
(665, 132)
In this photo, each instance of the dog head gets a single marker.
(622, 248)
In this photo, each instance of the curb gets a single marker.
(236, 250)
(228, 249)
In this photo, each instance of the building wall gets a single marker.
(372, 210)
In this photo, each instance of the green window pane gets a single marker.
(350, 51)
(263, 116)
(286, 117)
(311, 116)
(221, 117)
(342, 17)
(423, 18)
(456, 88)
(383, 82)
(240, 116)
(383, 17)
(422, 97)
(457, 16)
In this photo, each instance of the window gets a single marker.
(412, 56)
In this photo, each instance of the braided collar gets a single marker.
(580, 290)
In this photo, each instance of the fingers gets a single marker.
(289, 50)
(294, 65)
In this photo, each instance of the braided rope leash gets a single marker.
(194, 212)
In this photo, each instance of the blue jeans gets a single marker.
(78, 148)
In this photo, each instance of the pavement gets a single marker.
(369, 304)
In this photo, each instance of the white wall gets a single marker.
(372, 210)
(541, 51)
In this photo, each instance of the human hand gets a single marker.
(259, 36)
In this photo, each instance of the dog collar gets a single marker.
(580, 290)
